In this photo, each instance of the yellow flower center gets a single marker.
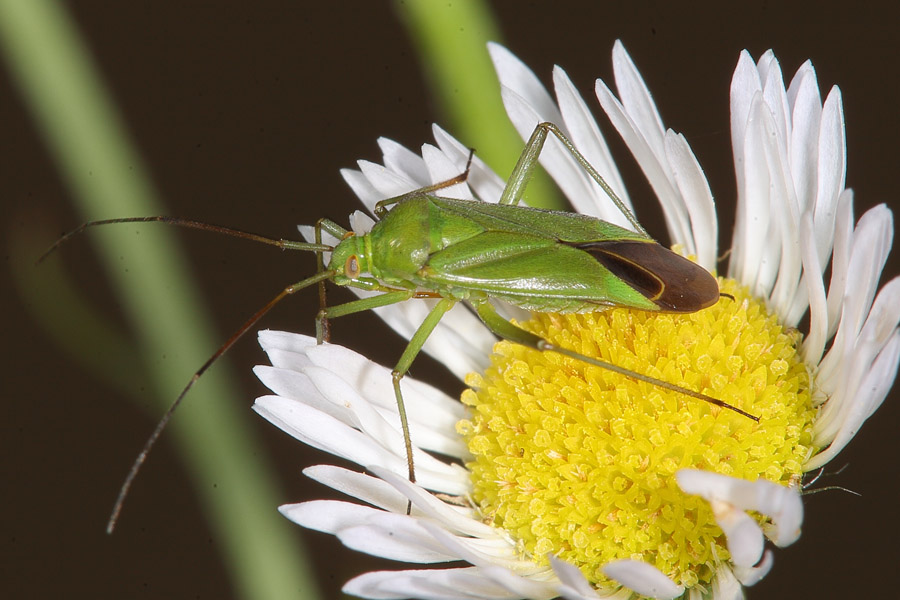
(579, 462)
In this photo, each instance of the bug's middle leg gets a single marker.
(406, 359)
(355, 306)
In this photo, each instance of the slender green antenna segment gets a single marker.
(321, 275)
(167, 416)
(280, 243)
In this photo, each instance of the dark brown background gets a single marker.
(244, 113)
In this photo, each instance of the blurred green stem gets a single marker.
(84, 132)
(452, 38)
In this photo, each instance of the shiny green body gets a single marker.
(538, 260)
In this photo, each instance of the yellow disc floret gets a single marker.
(579, 462)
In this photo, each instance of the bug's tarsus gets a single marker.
(828, 488)
(807, 490)
(724, 295)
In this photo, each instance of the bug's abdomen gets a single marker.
(531, 272)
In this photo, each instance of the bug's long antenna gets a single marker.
(151, 441)
(189, 223)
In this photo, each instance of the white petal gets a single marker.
(297, 386)
(831, 169)
(837, 377)
(486, 184)
(332, 379)
(780, 503)
(443, 168)
(522, 587)
(360, 185)
(586, 136)
(757, 246)
(316, 429)
(388, 183)
(698, 200)
(360, 222)
(396, 537)
(482, 551)
(453, 520)
(399, 159)
(656, 173)
(643, 578)
(460, 342)
(743, 536)
(283, 340)
(725, 586)
(840, 261)
(752, 575)
(869, 396)
(426, 404)
(528, 103)
(559, 163)
(363, 487)
(327, 516)
(775, 97)
(817, 336)
(574, 584)
(636, 98)
(744, 86)
(515, 75)
(428, 584)
(806, 116)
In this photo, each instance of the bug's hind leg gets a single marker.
(524, 170)
(514, 333)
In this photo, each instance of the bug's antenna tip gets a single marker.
(51, 249)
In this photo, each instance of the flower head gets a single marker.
(562, 479)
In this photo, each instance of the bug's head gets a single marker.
(348, 260)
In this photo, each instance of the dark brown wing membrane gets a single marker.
(670, 281)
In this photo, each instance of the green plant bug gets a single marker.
(427, 246)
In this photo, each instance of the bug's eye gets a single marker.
(351, 267)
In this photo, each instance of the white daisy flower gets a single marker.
(558, 479)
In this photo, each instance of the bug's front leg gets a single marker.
(355, 306)
(328, 226)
